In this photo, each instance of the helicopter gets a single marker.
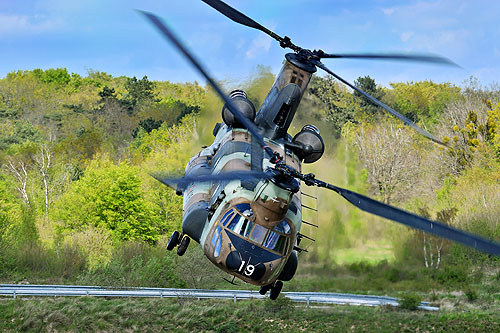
(242, 194)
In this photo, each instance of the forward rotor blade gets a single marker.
(414, 221)
(169, 35)
(379, 103)
(427, 58)
(236, 15)
(241, 18)
(236, 175)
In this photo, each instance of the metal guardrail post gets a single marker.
(307, 298)
(234, 298)
(14, 294)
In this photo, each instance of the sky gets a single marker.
(110, 36)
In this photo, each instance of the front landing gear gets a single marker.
(174, 240)
(177, 239)
(183, 246)
(275, 289)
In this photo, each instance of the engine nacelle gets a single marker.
(241, 102)
(308, 144)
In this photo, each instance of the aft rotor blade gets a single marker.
(426, 58)
(379, 103)
(236, 175)
(414, 221)
(241, 18)
(169, 35)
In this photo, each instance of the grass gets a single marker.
(152, 315)
(372, 252)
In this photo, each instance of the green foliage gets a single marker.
(110, 196)
(410, 301)
(135, 264)
(422, 101)
(339, 107)
(10, 209)
(32, 261)
(471, 294)
(452, 274)
(139, 91)
(95, 243)
(58, 76)
(147, 125)
(150, 314)
(282, 304)
(17, 133)
(368, 85)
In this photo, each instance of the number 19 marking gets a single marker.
(248, 270)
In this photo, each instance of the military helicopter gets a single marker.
(242, 194)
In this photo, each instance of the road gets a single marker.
(15, 290)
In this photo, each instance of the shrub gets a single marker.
(471, 294)
(282, 304)
(452, 274)
(410, 301)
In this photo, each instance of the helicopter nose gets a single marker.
(243, 265)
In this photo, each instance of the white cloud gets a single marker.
(260, 45)
(388, 11)
(406, 35)
(22, 24)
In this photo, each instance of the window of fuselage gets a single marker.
(258, 234)
(216, 235)
(275, 242)
(218, 247)
(241, 225)
(227, 217)
(283, 227)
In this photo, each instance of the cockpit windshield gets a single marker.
(239, 221)
(241, 225)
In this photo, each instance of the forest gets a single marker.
(78, 204)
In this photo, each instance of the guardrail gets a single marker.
(15, 290)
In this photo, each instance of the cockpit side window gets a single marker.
(227, 217)
(244, 209)
(218, 247)
(216, 235)
(276, 242)
(283, 227)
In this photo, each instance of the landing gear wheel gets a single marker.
(173, 241)
(275, 290)
(183, 246)
(264, 289)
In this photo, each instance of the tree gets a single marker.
(10, 209)
(139, 92)
(390, 154)
(147, 125)
(368, 85)
(339, 106)
(110, 196)
(422, 101)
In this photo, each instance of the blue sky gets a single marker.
(110, 36)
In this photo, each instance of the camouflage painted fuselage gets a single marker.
(247, 228)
